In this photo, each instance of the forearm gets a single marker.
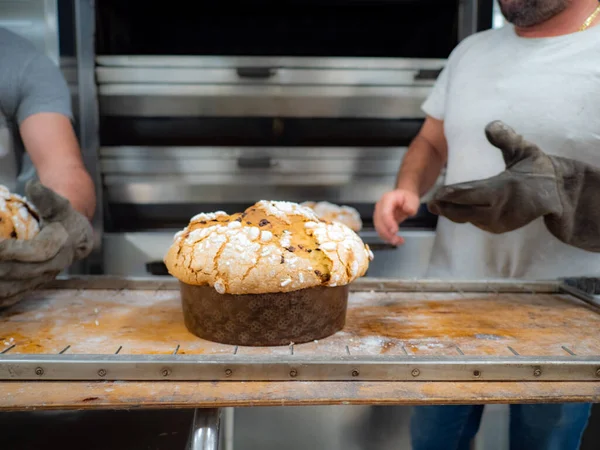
(75, 184)
(421, 167)
(51, 143)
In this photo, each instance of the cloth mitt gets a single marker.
(564, 192)
(65, 237)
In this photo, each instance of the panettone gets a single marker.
(18, 218)
(337, 213)
(271, 247)
(274, 274)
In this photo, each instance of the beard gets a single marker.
(527, 13)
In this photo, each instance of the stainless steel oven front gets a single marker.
(223, 106)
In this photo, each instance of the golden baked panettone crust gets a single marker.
(18, 218)
(337, 213)
(270, 247)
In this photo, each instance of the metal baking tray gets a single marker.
(102, 328)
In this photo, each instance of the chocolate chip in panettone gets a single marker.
(248, 223)
(203, 222)
(291, 249)
(239, 219)
(301, 247)
(263, 222)
(13, 234)
(325, 277)
(309, 250)
(282, 259)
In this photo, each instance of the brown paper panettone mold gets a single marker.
(264, 319)
(269, 256)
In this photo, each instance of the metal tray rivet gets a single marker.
(166, 372)
(476, 373)
(416, 372)
(537, 372)
(39, 371)
(228, 372)
(101, 372)
(355, 373)
(293, 373)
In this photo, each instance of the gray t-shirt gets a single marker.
(545, 88)
(30, 83)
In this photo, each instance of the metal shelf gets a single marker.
(132, 330)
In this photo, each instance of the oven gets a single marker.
(219, 106)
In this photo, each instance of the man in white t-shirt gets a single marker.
(539, 75)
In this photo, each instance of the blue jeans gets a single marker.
(532, 427)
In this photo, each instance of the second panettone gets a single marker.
(337, 213)
(18, 217)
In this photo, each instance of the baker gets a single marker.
(39, 154)
(540, 75)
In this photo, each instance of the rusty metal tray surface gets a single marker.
(89, 329)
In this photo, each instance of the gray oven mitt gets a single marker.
(565, 192)
(65, 236)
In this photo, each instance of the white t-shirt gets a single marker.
(547, 89)
(30, 83)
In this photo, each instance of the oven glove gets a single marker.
(565, 192)
(588, 285)
(65, 236)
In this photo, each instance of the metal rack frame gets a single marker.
(88, 374)
(248, 368)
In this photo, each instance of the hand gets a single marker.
(562, 191)
(393, 208)
(65, 236)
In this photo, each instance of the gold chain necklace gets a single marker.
(590, 19)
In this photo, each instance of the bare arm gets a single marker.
(424, 159)
(52, 145)
(420, 169)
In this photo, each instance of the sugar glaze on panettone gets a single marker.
(271, 247)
